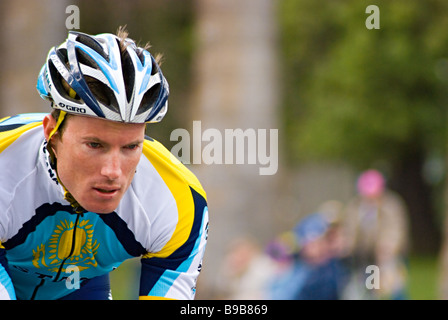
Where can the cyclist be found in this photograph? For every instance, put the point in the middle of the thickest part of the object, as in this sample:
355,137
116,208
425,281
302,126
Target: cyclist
83,188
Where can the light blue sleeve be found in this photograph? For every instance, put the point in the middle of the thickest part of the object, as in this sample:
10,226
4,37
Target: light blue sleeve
6,287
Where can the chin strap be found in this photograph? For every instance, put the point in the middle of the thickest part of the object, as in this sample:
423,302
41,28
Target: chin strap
61,118
67,195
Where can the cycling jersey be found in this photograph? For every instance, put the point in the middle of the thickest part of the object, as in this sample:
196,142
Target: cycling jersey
162,218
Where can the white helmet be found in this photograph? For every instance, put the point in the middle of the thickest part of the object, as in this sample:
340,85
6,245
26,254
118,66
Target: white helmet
132,86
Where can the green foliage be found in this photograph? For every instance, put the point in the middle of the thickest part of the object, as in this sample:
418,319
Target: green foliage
364,95
423,279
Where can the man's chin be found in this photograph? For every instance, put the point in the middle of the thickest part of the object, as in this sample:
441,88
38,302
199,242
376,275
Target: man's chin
100,209
99,202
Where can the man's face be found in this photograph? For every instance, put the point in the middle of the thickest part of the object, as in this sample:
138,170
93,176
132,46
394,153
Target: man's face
96,159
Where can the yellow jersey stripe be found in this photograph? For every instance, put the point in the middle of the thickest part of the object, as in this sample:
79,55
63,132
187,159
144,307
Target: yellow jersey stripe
5,118
178,179
155,150
8,137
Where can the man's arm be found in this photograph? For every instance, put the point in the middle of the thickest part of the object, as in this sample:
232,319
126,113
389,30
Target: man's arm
175,276
6,287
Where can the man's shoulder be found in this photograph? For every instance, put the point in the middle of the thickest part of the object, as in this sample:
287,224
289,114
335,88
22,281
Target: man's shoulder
11,128
20,140
172,171
13,122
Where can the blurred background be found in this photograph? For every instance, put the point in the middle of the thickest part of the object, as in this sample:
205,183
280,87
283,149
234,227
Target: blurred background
343,97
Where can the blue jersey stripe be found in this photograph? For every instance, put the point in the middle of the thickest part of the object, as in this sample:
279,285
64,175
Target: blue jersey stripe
44,211
124,235
5,280
158,273
14,122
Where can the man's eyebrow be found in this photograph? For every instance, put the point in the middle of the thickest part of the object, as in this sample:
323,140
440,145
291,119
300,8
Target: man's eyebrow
98,140
136,142
93,139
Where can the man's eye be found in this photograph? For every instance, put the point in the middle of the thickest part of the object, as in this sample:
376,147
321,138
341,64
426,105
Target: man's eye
132,146
94,145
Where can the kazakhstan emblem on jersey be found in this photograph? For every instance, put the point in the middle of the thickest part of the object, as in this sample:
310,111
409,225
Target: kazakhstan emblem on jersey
61,249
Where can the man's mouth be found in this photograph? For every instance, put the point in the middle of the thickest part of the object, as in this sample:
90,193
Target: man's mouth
107,190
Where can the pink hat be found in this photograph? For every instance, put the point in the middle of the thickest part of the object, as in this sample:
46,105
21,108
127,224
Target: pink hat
371,183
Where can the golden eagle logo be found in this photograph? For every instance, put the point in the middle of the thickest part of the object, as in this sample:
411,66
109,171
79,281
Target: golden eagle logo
61,249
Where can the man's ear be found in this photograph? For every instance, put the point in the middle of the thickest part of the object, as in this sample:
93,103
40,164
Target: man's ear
49,123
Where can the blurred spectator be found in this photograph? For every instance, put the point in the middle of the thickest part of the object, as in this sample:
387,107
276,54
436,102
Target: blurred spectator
333,212
315,273
376,229
281,251
245,271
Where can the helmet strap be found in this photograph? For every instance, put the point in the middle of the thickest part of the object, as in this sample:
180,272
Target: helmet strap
61,118
67,195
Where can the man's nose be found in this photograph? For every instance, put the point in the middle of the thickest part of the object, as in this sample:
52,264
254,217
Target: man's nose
111,167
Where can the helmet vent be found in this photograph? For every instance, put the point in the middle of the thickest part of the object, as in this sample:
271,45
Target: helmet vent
91,43
149,99
84,58
103,93
128,70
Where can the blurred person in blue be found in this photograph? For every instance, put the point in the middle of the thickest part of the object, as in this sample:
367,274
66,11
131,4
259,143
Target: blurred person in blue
333,212
315,272
376,231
